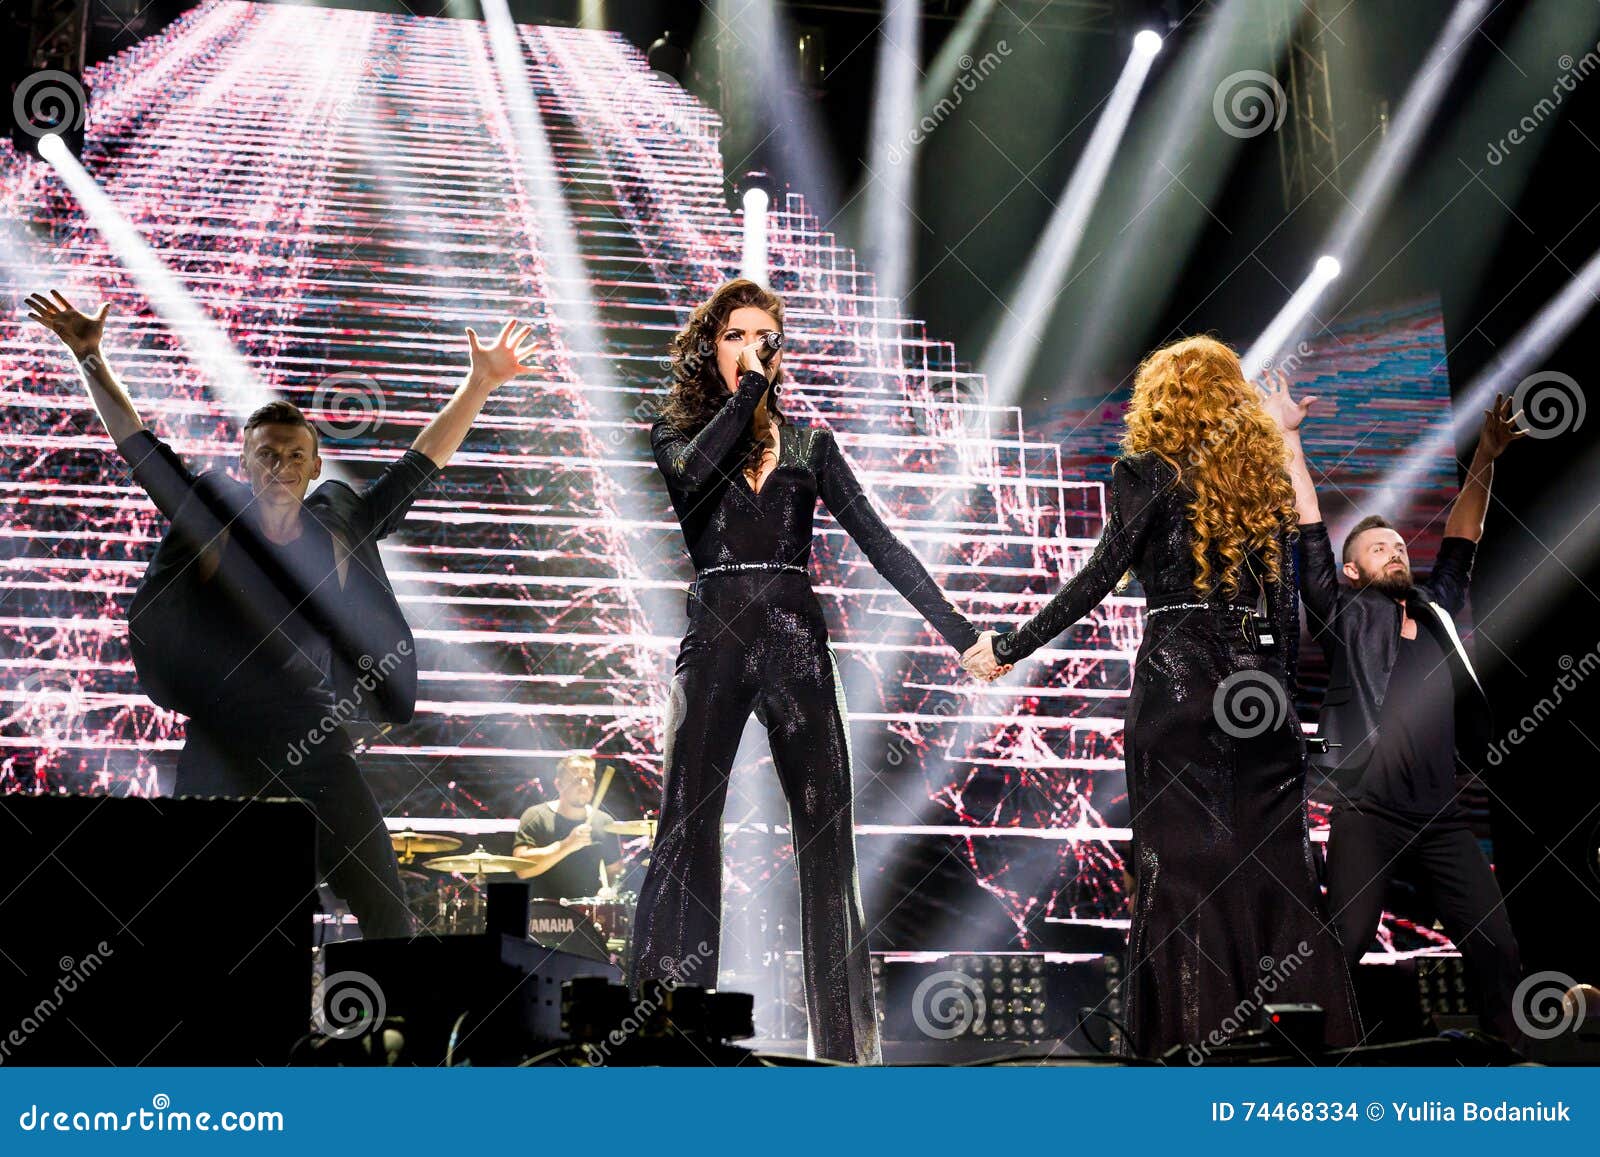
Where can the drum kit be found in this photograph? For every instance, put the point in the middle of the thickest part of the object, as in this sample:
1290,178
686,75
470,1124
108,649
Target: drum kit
452,901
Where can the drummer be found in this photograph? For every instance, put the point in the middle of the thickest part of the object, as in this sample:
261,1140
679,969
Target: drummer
565,840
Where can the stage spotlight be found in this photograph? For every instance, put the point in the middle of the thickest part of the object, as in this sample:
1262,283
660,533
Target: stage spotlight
1258,358
1406,132
667,56
1011,351
226,371
1147,43
755,190
886,245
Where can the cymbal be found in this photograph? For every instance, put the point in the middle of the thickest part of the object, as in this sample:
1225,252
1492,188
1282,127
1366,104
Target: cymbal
477,863
414,841
632,828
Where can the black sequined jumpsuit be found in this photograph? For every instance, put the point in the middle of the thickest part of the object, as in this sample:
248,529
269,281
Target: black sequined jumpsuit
757,641
1228,913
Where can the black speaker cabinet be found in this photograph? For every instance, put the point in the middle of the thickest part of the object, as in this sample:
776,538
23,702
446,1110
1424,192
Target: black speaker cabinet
155,931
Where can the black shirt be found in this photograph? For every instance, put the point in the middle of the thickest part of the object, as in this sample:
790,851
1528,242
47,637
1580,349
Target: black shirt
578,874
1412,768
277,675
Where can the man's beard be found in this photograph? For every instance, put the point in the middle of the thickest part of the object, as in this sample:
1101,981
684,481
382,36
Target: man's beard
1394,583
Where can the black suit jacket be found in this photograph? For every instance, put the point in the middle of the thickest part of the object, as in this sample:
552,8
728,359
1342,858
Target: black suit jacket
374,654
1359,632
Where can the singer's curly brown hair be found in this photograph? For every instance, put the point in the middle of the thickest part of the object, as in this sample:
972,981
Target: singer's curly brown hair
698,392
1193,408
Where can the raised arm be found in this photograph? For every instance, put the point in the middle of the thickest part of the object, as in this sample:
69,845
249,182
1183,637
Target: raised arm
1313,555
491,367
1130,512
81,334
841,492
695,463
1499,431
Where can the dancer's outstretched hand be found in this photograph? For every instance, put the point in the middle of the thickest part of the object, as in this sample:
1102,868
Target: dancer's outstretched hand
79,331
497,364
1275,399
979,661
1500,428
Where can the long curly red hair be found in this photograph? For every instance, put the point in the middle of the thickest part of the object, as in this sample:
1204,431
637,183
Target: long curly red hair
1193,408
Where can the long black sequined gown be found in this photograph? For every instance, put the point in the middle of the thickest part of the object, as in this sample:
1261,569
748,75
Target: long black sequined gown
1228,913
757,641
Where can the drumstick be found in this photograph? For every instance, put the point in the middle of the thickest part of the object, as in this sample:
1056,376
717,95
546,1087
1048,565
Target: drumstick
605,782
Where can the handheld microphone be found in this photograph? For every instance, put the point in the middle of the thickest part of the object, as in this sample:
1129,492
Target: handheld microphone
773,341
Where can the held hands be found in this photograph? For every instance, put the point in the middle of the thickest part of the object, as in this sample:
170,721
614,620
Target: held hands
1277,402
493,366
1499,428
79,331
979,660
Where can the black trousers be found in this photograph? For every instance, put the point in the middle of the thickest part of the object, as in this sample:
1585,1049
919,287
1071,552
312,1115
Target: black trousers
1366,849
354,854
757,642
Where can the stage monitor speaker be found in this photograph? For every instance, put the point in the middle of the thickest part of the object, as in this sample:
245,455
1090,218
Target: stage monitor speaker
155,931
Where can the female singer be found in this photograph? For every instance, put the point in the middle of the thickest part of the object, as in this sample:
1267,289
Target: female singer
1228,914
745,482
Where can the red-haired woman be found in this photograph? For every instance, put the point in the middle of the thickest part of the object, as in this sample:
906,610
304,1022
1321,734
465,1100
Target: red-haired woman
745,482
1228,913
